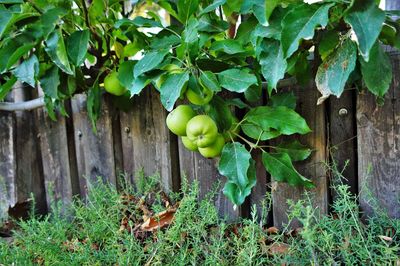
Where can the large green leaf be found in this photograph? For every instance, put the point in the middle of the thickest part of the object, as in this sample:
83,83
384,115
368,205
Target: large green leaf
334,71
237,195
377,72
50,82
28,70
208,24
236,80
7,87
366,19
11,53
281,118
213,6
287,99
7,22
209,80
171,89
149,62
300,23
186,8
280,166
273,64
256,132
258,8
228,46
55,48
77,45
190,35
5,18
295,150
234,164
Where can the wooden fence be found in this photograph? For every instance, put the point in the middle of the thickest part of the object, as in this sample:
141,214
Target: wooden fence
38,155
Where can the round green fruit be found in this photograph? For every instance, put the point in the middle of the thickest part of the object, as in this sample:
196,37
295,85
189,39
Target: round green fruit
178,119
202,131
188,144
214,149
196,99
112,84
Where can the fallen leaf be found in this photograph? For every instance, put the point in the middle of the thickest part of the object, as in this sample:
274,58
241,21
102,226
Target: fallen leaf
158,221
272,230
386,238
278,248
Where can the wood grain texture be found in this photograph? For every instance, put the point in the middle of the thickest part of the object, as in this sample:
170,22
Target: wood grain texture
147,143
313,167
94,151
378,131
29,175
342,135
55,158
8,163
197,168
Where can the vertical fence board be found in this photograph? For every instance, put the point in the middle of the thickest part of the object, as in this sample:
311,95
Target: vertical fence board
94,151
313,167
378,129
205,172
8,166
343,142
55,158
146,141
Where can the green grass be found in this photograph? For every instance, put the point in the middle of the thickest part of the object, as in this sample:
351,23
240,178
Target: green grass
90,234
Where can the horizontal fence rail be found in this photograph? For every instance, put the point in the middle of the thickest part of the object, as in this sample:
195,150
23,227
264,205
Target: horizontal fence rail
38,155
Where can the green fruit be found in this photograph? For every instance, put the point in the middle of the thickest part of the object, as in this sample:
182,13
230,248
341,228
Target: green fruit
233,131
188,144
112,84
178,119
202,131
196,99
214,149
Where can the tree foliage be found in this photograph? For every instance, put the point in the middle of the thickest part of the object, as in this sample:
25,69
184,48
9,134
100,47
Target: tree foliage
69,46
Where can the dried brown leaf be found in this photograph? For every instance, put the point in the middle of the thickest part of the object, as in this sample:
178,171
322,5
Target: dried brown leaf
158,221
272,230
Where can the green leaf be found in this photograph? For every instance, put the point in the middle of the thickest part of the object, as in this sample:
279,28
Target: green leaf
77,46
55,48
190,35
209,80
7,22
11,53
273,64
93,104
5,18
295,150
233,192
253,93
237,103
220,113
333,73
287,99
186,8
207,24
281,118
171,89
300,23
228,46
28,70
254,131
96,11
212,6
50,82
138,22
377,72
236,80
270,5
281,169
366,19
149,62
258,8
234,164
7,87
328,43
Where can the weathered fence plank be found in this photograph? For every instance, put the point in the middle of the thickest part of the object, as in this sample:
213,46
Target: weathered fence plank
313,167
8,163
378,132
146,141
29,175
94,151
342,136
195,167
55,157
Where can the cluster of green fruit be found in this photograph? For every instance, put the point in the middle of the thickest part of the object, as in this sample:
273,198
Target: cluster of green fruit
198,132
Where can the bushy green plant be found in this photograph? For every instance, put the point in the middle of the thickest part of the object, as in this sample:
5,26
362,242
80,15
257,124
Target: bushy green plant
89,233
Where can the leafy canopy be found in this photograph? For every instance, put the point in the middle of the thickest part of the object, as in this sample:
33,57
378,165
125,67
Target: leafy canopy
68,47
